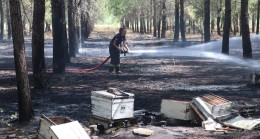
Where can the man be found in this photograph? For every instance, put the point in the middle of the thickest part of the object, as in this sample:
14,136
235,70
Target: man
115,50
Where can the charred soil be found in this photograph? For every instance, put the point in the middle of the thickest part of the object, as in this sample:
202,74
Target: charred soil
150,78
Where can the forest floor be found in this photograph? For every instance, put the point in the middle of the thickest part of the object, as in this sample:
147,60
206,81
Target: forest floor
150,77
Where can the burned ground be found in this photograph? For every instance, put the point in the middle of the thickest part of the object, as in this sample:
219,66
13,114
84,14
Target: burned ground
149,78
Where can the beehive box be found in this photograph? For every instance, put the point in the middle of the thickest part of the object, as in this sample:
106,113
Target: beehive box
110,106
212,106
59,127
177,110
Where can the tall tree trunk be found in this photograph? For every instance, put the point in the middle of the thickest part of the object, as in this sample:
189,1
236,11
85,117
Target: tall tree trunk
182,23
23,87
135,20
227,24
8,21
2,20
39,67
9,28
236,27
206,20
154,19
257,20
72,33
83,28
164,19
247,49
177,22
87,25
159,6
64,33
253,22
189,26
58,37
193,27
212,27
133,26
77,21
141,23
127,23
144,25
47,28
137,24
150,17
219,16
122,22
159,28
147,23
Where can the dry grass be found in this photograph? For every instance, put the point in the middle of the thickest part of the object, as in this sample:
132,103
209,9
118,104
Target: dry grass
106,28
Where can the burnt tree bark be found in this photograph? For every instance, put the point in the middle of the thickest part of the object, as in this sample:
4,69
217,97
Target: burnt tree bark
83,27
235,19
164,19
219,16
206,20
182,22
39,67
247,49
257,18
227,24
177,22
154,19
159,27
58,37
23,88
72,33
77,22
150,17
159,6
142,22
64,33
8,21
2,20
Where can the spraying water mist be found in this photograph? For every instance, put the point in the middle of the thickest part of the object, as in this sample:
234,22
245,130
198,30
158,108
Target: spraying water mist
207,50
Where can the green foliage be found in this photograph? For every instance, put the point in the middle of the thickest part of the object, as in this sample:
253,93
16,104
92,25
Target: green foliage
48,11
122,8
107,17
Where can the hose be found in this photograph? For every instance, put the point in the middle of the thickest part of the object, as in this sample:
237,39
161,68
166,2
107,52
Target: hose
87,70
67,70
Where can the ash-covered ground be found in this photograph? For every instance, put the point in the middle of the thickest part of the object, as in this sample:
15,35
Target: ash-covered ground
155,69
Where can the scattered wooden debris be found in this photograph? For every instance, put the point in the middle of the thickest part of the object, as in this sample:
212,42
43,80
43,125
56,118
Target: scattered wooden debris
142,132
60,128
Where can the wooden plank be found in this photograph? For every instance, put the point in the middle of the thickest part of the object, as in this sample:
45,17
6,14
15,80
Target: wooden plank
69,131
201,115
143,132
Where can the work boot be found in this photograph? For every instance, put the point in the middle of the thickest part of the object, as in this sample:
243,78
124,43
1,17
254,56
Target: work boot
111,69
118,71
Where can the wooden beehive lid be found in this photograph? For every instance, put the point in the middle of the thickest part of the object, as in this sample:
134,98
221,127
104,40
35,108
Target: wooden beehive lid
213,99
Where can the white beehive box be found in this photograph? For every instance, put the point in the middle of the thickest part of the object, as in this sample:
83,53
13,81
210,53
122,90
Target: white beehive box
177,110
61,128
110,106
218,106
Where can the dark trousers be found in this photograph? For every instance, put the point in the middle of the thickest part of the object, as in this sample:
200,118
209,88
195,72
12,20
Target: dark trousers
115,58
